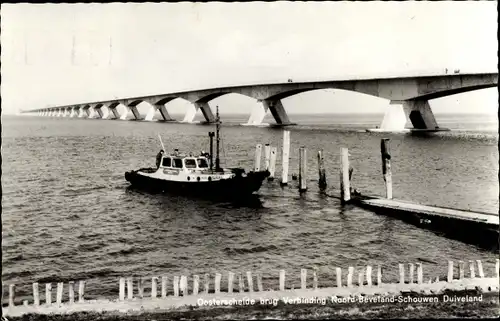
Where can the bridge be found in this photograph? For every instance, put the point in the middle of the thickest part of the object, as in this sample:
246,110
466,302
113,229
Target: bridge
409,99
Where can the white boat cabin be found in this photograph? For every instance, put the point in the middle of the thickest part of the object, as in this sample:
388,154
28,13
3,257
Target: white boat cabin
183,168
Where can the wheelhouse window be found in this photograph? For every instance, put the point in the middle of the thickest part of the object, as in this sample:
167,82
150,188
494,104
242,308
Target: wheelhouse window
190,162
167,162
202,163
177,163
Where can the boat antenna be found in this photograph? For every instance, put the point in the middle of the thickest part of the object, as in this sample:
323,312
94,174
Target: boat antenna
161,142
217,139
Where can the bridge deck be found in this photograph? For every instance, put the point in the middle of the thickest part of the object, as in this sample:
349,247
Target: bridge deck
487,218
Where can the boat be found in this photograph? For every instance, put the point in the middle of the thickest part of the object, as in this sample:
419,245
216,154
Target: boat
200,176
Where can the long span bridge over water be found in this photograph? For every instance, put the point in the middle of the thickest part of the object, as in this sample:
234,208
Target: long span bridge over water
409,99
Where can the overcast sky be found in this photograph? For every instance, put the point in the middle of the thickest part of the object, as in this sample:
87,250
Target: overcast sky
55,54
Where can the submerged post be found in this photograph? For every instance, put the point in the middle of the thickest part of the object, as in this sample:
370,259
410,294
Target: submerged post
386,166
272,164
321,171
11,295
286,157
345,189
258,156
302,169
36,294
267,156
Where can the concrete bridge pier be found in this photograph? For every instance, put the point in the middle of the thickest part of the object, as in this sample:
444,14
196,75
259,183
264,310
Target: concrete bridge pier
206,110
81,112
260,111
131,110
66,112
114,110
59,112
418,112
106,112
190,114
99,111
193,108
278,112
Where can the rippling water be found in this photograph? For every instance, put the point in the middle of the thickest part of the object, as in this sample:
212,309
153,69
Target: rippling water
68,214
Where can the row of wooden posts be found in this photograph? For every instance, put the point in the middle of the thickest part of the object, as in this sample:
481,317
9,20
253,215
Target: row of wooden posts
180,284
270,154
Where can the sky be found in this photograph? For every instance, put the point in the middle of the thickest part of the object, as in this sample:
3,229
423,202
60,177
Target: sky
61,54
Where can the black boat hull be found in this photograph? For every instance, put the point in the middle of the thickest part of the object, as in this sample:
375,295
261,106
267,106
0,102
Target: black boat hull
235,188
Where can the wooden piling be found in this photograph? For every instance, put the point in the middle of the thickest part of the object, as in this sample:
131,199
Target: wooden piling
321,171
164,281
218,277
258,156
121,294
154,287
25,303
176,285
184,285
206,283
196,284
401,273
338,272
259,282
241,283
386,166
302,169
140,286
480,268
450,271
437,279
59,293
412,272
350,273
81,291
315,278
36,294
286,157
267,156
461,270
282,280
48,293
230,282
272,164
11,295
250,281
130,288
471,269
420,273
345,189
303,279
360,278
369,275
379,275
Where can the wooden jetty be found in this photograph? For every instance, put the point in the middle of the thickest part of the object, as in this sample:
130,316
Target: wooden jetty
479,227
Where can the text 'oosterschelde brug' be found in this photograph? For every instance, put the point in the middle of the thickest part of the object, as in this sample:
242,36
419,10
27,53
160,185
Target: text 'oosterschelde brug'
338,300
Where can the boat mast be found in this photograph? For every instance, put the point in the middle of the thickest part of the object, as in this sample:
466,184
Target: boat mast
211,136
217,128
